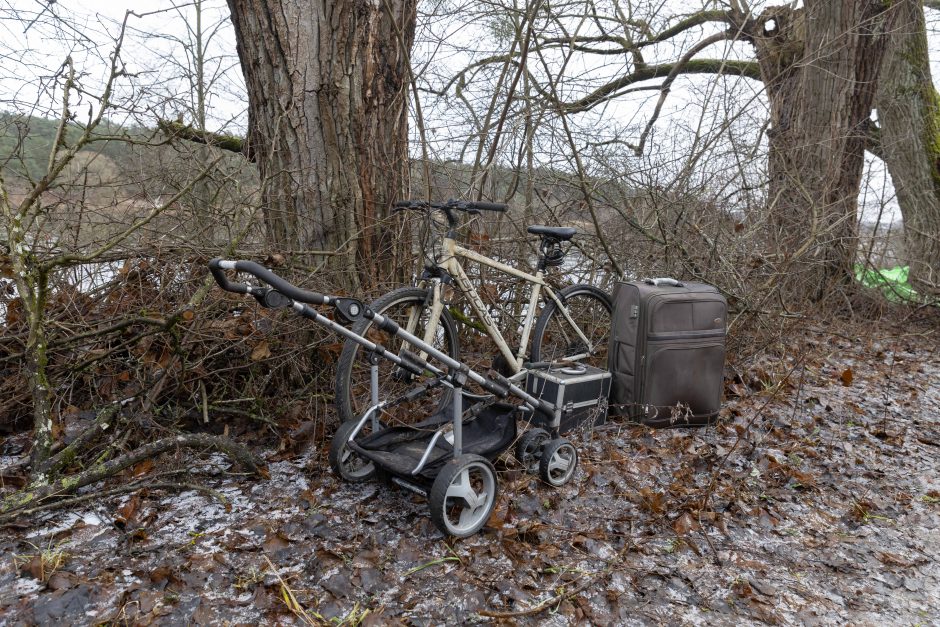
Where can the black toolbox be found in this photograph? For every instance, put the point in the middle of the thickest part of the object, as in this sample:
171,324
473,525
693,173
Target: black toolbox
667,352
578,392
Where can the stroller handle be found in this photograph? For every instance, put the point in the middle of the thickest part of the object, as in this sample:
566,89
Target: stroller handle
218,267
351,309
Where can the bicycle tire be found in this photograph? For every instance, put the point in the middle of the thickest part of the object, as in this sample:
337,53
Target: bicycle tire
577,298
352,369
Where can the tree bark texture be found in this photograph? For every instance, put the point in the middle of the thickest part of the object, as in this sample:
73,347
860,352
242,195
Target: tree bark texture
328,112
909,116
820,67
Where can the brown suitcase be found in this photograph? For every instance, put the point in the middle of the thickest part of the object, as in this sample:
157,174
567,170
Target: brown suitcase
667,352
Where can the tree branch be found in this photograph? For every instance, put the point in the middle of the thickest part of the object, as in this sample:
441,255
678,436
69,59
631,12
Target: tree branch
103,420
676,70
696,19
573,43
873,135
230,143
747,69
461,76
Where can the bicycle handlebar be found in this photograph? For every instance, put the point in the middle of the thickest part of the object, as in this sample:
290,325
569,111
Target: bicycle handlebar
448,208
218,267
469,206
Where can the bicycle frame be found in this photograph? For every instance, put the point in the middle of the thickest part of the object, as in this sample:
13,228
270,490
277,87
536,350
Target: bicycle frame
452,266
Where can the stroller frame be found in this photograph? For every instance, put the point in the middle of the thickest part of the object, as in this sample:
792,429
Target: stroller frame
463,491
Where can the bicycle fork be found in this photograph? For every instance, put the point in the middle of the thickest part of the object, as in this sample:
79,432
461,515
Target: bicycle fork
414,316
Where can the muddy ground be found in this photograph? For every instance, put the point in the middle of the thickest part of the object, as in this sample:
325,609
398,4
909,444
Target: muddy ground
814,500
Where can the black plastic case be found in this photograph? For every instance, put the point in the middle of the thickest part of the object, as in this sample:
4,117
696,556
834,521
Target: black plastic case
577,392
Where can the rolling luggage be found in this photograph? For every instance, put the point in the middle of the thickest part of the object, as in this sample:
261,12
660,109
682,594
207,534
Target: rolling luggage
667,352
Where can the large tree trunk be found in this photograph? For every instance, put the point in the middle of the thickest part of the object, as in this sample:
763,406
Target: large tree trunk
909,115
328,111
820,75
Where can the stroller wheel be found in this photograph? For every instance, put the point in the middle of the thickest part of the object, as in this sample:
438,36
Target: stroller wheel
558,463
463,495
344,462
529,448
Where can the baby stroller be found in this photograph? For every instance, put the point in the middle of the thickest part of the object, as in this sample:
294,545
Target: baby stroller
447,457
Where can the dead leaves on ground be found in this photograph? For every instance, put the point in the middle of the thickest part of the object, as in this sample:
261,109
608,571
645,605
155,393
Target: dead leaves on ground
261,351
846,377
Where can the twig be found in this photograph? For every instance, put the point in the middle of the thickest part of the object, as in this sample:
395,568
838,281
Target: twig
205,402
169,485
554,600
8,519
437,562
559,598
288,596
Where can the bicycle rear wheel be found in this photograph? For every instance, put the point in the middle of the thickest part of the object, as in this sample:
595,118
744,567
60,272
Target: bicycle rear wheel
555,338
352,371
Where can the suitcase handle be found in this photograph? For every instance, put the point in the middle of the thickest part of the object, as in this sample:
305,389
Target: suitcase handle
663,281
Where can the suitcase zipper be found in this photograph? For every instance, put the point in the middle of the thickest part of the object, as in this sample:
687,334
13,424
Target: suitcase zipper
640,353
685,335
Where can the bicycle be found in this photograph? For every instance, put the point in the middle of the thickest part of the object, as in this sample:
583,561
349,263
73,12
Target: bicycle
573,324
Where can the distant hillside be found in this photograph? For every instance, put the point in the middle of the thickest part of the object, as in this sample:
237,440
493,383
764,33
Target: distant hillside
26,141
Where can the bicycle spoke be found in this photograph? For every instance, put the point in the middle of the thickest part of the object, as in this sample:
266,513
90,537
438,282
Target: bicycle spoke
560,340
353,372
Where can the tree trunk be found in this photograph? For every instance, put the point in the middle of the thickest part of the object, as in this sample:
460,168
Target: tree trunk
909,115
32,287
328,114
36,361
820,75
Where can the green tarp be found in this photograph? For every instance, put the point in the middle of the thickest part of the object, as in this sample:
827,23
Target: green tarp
891,281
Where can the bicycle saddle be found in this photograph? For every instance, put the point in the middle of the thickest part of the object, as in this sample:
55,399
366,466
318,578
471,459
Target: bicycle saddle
562,233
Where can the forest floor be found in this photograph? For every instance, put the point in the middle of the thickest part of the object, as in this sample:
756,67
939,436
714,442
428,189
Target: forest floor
814,500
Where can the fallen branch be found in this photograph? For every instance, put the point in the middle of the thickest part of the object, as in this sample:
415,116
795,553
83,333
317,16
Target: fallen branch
36,495
61,460
7,519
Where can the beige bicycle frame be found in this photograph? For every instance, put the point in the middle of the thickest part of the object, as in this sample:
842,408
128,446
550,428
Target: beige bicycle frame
452,265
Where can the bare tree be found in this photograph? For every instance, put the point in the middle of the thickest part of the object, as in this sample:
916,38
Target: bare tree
82,232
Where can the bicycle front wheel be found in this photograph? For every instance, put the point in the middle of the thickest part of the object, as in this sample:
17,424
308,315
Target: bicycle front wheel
353,391
555,337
